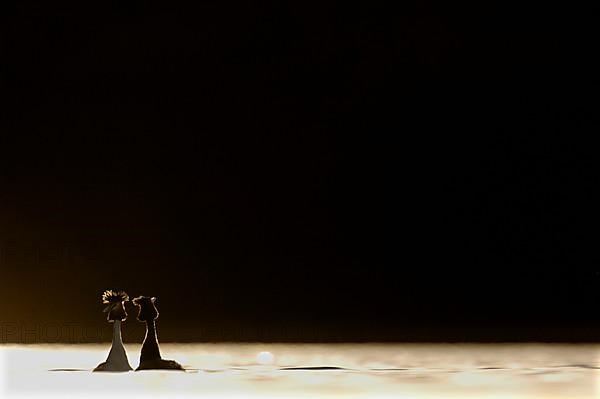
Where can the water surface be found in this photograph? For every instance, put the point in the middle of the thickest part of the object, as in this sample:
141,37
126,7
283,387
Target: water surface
312,370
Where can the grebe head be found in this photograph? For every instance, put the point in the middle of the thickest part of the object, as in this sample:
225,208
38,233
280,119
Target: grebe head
116,305
148,311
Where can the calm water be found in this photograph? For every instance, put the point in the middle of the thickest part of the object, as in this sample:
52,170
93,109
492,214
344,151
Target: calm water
353,371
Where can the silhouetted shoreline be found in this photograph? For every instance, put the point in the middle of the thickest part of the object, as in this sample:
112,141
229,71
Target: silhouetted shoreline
385,334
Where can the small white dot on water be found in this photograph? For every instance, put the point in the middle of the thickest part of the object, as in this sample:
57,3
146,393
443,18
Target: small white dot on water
265,358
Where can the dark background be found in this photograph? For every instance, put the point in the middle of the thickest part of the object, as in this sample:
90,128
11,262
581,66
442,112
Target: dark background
292,171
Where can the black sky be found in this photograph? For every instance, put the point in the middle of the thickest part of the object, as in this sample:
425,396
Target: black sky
298,171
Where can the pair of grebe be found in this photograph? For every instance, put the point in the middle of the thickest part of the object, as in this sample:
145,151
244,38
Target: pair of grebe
150,358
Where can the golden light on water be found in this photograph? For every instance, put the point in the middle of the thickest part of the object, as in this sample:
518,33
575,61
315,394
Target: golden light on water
324,371
265,358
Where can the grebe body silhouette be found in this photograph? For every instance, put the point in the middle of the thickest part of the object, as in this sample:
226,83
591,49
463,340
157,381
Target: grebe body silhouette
150,358
117,357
